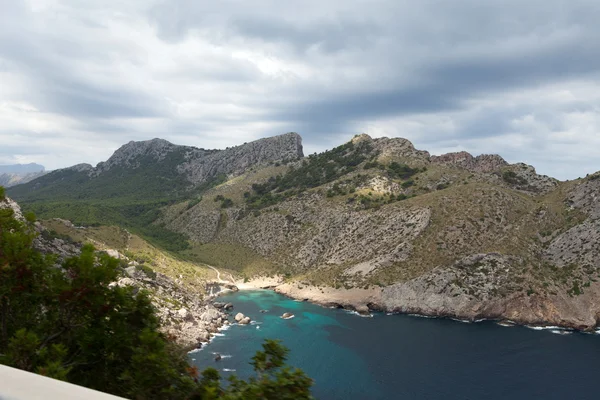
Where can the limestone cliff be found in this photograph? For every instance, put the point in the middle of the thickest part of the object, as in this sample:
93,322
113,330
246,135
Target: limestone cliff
451,235
371,223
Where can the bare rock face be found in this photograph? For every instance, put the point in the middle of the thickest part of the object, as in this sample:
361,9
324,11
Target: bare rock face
482,286
400,148
580,245
485,163
182,164
129,154
313,233
192,323
9,203
586,196
80,168
524,177
200,167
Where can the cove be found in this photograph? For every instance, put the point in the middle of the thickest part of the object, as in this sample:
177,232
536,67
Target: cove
407,357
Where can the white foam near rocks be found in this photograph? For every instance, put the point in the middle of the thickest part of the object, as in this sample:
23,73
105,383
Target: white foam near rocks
353,312
561,332
421,316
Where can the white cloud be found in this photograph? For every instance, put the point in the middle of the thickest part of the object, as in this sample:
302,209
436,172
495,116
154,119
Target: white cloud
80,78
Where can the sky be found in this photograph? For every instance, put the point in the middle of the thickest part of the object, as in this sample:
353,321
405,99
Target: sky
79,78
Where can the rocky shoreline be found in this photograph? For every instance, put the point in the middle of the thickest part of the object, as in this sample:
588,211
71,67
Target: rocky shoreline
533,311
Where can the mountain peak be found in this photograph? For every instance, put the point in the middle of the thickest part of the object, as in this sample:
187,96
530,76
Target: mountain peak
485,163
21,168
126,154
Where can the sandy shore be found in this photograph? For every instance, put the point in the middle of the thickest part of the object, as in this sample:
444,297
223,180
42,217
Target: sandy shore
361,300
261,282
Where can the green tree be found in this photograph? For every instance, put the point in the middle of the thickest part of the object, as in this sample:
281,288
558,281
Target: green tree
274,379
71,322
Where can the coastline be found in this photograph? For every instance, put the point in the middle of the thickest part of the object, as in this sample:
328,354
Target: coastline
512,311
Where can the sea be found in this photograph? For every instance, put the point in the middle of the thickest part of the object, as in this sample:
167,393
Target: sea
408,357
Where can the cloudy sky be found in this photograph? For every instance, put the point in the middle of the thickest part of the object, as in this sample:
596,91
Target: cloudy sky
78,78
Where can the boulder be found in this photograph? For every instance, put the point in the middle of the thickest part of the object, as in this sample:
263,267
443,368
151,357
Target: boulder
130,271
184,314
239,316
113,253
217,357
287,315
203,336
228,306
245,321
209,315
264,311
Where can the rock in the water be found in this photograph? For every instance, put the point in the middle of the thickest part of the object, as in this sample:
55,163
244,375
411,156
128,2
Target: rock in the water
264,311
287,315
239,316
217,357
228,306
245,321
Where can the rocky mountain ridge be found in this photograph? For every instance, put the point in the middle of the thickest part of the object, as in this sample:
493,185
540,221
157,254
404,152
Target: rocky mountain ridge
472,237
200,165
185,315
377,223
11,175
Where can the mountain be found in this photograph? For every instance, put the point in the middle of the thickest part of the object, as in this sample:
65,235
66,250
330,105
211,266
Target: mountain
11,175
141,177
370,224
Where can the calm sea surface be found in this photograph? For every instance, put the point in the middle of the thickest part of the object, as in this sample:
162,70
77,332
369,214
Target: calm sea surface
405,357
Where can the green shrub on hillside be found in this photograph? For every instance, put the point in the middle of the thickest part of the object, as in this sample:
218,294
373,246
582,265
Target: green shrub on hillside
317,170
71,323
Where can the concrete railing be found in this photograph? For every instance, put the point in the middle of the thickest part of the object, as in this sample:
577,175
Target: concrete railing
20,385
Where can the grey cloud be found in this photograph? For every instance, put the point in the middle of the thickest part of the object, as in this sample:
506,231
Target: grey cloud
336,67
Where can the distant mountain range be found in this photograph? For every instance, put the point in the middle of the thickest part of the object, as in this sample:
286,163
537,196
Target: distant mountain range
370,224
11,175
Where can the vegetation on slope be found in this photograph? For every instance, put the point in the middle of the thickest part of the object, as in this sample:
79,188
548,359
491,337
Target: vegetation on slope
71,323
317,170
126,196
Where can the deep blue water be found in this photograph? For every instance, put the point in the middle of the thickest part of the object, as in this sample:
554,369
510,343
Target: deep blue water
406,357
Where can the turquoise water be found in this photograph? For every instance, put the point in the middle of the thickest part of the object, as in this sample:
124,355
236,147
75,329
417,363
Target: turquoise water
404,357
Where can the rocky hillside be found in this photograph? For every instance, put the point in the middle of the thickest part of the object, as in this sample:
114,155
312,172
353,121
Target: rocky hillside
177,288
452,235
376,223
141,177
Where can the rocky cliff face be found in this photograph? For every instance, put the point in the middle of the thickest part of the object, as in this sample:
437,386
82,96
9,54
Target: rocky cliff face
377,223
200,165
185,315
464,242
485,163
